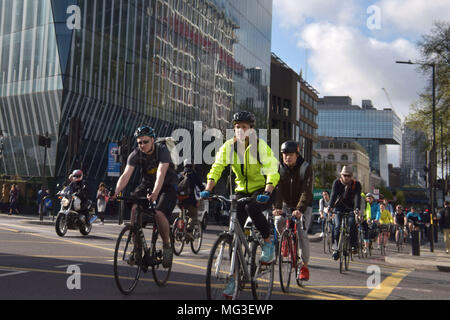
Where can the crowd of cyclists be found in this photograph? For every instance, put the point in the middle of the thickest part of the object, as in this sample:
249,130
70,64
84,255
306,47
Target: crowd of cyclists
266,184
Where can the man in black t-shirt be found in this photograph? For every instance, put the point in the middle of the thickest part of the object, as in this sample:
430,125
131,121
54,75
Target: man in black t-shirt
158,182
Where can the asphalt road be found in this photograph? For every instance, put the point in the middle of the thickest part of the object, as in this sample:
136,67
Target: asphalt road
34,264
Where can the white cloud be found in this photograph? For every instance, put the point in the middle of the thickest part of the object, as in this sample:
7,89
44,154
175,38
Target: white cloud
294,13
414,16
345,62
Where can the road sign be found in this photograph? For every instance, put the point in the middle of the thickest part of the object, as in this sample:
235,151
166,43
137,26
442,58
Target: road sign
113,166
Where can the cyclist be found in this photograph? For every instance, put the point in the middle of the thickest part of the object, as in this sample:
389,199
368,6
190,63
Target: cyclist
255,178
191,203
413,218
384,218
158,175
370,214
295,191
323,209
345,197
400,222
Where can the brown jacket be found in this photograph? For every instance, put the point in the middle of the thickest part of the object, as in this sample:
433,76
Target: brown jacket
4,196
292,190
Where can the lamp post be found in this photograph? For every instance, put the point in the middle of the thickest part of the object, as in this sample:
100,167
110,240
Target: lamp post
433,166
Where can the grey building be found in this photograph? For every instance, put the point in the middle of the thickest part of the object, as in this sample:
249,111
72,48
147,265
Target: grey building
413,157
373,129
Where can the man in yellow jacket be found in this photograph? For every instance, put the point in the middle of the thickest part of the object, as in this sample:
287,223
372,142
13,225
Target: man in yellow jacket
256,171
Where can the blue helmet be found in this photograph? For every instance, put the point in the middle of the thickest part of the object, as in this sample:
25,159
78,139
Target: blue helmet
145,131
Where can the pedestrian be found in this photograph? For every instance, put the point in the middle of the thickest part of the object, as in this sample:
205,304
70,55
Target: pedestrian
13,199
4,199
102,199
445,225
41,194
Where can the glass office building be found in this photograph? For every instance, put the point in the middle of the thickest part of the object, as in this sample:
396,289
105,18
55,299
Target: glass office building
372,128
90,71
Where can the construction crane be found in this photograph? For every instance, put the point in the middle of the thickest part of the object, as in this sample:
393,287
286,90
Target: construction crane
390,101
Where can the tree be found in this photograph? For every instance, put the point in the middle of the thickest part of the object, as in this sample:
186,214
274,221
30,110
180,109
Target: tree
434,49
325,174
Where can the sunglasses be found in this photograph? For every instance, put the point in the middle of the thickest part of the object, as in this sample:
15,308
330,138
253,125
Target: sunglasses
143,142
346,175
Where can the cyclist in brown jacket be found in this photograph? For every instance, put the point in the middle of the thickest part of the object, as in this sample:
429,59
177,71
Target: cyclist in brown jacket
295,192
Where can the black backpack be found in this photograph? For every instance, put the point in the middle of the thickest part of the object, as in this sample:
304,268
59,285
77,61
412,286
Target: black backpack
184,187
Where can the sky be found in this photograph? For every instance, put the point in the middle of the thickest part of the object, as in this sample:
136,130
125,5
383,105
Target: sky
349,48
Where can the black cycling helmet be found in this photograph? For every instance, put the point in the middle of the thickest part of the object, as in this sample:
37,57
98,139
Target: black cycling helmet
145,131
245,117
290,147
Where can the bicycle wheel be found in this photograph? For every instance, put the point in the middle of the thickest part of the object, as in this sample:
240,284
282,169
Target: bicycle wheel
285,261
341,251
178,235
160,274
262,275
197,232
347,252
126,269
325,238
219,268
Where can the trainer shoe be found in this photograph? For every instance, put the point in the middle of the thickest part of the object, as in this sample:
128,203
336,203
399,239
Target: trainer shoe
229,290
336,255
267,253
304,274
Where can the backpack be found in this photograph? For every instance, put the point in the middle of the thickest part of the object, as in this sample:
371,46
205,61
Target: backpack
184,187
302,170
171,144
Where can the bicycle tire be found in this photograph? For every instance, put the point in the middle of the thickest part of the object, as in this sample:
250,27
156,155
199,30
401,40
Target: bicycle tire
178,237
217,280
197,232
341,251
264,270
347,252
285,261
160,274
121,285
325,239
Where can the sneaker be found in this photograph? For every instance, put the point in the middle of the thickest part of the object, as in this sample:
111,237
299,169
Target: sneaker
229,290
267,253
304,274
354,250
447,251
336,255
321,234
167,256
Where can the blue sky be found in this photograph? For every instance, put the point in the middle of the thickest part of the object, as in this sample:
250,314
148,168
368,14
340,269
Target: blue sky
352,51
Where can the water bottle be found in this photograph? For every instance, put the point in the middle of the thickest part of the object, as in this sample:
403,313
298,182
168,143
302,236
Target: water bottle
93,219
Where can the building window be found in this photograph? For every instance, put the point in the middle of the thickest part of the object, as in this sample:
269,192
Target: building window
344,145
344,157
331,157
331,145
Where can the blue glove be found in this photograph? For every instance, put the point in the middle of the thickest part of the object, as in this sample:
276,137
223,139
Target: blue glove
205,194
262,198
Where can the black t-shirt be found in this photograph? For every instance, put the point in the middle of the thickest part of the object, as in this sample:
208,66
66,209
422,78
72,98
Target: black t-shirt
149,165
350,196
400,218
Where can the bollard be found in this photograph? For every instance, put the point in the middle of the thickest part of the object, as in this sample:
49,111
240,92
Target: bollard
415,243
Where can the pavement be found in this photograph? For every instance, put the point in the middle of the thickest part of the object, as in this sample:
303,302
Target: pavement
438,259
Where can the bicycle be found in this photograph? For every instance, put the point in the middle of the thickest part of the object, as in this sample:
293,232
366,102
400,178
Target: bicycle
384,228
235,254
400,238
345,252
327,236
288,258
132,254
179,231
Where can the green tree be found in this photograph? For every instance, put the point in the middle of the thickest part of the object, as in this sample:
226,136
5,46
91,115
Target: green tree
325,174
434,49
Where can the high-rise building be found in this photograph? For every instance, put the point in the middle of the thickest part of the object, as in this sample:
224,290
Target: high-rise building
373,129
293,103
90,71
414,157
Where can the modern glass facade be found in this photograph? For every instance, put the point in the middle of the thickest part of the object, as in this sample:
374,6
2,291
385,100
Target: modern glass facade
372,128
114,65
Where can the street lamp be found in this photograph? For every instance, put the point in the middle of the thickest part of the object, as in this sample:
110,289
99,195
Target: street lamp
433,148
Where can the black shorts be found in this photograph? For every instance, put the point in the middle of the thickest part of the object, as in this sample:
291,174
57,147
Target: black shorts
167,199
